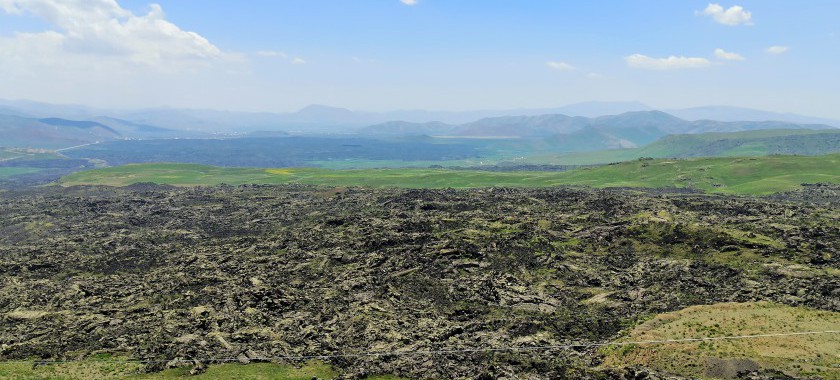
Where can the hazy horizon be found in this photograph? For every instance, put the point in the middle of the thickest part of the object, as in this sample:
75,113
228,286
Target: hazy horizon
421,55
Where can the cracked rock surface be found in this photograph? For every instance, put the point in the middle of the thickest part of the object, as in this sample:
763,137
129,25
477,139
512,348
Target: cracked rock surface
257,272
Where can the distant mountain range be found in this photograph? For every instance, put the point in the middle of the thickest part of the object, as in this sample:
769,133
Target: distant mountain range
51,132
54,133
577,127
577,133
319,118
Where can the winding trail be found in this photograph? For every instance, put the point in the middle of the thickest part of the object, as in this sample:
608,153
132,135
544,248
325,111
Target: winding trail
76,146
10,158
56,151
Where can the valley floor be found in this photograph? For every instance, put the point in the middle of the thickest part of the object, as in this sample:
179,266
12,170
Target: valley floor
738,175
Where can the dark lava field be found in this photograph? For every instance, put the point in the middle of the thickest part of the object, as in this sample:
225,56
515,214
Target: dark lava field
255,272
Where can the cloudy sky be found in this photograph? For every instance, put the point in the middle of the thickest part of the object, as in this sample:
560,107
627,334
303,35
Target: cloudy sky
432,54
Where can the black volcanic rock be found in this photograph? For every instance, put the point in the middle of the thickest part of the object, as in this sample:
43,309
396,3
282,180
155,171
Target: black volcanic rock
280,272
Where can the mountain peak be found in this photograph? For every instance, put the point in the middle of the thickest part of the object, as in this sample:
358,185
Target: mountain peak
320,109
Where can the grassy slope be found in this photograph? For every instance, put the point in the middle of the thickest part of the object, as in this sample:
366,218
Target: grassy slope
27,154
102,369
802,354
724,175
6,172
749,143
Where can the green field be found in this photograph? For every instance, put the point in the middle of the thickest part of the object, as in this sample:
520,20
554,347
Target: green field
106,368
761,175
22,154
6,172
815,354
731,144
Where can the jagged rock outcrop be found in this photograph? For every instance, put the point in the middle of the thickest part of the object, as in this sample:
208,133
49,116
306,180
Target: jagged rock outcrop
276,273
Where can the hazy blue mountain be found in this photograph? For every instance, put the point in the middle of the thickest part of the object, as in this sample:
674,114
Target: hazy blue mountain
588,139
320,114
705,126
52,132
577,134
404,128
523,126
748,143
666,123
29,108
549,125
313,118
130,129
321,118
725,113
586,109
11,111
595,109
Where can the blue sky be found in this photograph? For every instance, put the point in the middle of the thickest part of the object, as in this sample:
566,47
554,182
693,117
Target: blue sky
434,54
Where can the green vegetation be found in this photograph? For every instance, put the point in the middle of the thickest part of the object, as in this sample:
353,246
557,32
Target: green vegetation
26,154
755,175
259,371
717,175
102,368
750,143
733,144
797,354
6,172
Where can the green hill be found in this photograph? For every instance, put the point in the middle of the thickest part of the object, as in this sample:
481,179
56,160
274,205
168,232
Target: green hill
51,133
751,143
725,358
753,175
731,144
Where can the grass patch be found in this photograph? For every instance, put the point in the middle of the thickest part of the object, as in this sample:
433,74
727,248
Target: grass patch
257,371
762,175
84,370
6,172
799,354
101,368
717,144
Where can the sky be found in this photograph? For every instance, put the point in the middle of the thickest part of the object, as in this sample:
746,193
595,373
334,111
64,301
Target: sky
382,55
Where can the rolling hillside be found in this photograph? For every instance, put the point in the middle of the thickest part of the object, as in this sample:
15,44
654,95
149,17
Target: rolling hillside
563,133
52,132
751,143
725,358
736,144
753,175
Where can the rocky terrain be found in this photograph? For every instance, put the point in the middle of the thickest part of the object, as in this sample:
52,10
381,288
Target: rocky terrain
256,272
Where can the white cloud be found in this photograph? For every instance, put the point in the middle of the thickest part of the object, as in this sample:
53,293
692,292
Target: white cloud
735,15
560,66
777,49
104,31
409,2
640,61
272,53
729,56
360,60
283,57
